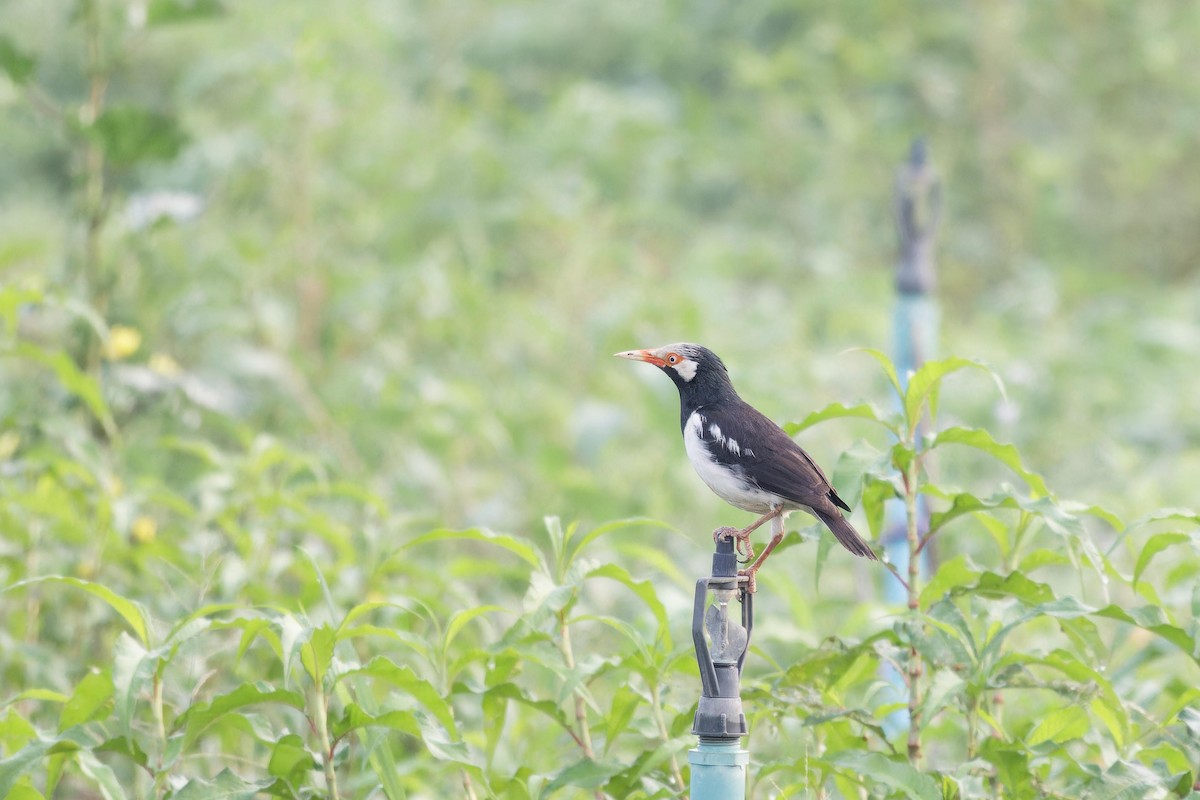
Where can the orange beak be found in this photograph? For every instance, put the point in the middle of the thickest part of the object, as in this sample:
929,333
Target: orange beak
642,355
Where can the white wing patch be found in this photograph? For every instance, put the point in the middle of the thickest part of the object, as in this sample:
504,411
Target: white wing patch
729,442
727,483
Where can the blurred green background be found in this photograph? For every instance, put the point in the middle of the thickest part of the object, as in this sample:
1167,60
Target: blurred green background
405,238
416,231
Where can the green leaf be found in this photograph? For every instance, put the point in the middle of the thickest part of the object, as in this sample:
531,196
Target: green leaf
293,636
1012,766
510,691
876,769
129,134
45,695
24,792
643,589
403,678
201,716
133,671
317,653
924,385
958,641
290,759
252,629
1108,705
12,300
1061,725
1112,719
1006,454
1015,585
226,786
73,380
21,763
15,731
518,547
958,572
354,717
1171,514
584,774
945,687
856,467
903,455
840,411
460,619
1155,620
613,527
101,774
168,12
1155,545
91,699
886,364
18,64
628,784
625,702
413,641
441,747
124,746
963,503
1125,780
382,759
1042,557
362,609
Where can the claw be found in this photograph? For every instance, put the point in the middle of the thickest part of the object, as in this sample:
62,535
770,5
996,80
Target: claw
725,532
751,584
741,541
746,548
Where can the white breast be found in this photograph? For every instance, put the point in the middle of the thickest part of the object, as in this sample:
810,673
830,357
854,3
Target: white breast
726,483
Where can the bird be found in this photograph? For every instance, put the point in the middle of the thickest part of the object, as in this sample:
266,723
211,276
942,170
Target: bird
745,458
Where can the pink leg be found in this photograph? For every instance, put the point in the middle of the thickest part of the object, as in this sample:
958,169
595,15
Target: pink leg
742,537
777,529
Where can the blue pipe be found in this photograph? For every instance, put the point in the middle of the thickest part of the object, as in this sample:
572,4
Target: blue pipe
719,770
918,211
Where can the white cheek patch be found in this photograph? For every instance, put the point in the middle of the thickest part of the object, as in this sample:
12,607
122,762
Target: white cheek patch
686,369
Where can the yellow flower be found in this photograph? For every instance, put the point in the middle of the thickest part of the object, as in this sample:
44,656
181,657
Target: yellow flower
144,530
123,342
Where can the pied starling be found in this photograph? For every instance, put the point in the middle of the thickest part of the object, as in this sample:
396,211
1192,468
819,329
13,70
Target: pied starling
745,458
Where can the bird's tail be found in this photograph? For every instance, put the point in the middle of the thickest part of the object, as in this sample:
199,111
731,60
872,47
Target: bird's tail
846,534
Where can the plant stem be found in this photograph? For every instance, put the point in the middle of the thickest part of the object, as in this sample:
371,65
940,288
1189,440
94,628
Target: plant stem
584,734
322,720
676,774
160,773
972,728
914,608
95,288
468,787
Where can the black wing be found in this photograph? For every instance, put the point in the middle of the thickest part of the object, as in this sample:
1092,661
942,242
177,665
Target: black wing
766,455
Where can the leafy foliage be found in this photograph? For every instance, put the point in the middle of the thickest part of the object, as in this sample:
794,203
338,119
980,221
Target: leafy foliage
302,319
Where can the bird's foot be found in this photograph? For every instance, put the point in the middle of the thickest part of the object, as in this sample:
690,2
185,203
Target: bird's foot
724,532
741,541
746,548
751,584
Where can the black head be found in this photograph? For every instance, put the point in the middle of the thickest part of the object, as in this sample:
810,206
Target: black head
698,373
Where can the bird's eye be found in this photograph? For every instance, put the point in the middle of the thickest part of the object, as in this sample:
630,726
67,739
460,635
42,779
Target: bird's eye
673,358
